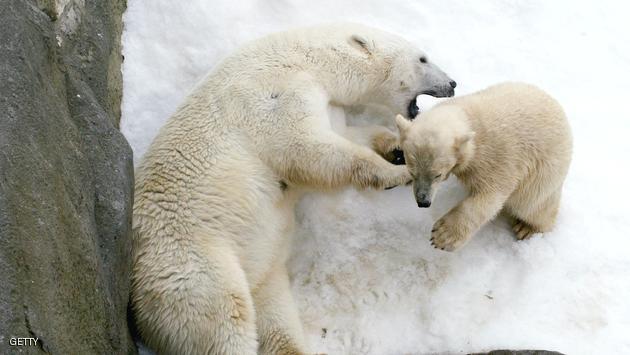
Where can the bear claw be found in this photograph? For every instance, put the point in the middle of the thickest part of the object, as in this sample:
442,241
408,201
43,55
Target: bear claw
523,230
445,237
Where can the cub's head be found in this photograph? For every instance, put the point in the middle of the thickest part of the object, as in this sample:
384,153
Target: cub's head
409,72
435,144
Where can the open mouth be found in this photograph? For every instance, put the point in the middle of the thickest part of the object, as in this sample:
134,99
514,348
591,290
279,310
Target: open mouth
413,109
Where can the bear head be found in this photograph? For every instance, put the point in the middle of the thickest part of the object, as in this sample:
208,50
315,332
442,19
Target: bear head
435,144
408,72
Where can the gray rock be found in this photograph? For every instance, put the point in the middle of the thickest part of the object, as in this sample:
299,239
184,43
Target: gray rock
66,178
519,352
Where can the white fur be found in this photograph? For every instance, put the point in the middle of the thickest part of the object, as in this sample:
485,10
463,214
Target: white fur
215,193
510,144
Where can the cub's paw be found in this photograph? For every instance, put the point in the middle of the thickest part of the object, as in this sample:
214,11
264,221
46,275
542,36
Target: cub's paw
446,236
522,230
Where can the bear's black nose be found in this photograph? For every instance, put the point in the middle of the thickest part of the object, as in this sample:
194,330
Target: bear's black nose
453,84
424,204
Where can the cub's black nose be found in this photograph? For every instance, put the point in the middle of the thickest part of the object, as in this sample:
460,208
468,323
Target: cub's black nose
424,204
453,84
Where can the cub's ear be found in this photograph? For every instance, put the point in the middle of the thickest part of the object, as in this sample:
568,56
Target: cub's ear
403,124
462,142
361,43
466,137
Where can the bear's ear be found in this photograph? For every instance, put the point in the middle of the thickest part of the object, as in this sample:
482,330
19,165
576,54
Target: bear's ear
462,142
361,44
403,124
466,137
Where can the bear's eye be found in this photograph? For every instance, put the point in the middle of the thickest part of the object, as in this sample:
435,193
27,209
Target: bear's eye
437,176
423,59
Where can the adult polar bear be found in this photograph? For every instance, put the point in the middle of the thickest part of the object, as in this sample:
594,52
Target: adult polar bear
216,190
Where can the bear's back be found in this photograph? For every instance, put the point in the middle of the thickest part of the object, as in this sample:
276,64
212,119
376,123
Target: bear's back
519,122
522,110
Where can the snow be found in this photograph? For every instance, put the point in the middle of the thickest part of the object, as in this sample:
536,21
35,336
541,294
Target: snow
363,268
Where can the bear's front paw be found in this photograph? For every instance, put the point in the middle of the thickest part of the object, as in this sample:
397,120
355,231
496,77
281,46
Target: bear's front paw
387,145
400,176
447,236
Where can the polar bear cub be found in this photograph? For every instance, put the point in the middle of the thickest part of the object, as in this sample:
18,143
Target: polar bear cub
509,144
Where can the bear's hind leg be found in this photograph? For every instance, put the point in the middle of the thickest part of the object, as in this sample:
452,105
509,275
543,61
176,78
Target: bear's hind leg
203,306
279,327
522,229
538,219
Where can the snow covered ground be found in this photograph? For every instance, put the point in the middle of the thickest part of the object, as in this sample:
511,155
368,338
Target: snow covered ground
364,274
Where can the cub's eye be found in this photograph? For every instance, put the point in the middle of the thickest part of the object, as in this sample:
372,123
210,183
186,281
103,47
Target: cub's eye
437,176
423,59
